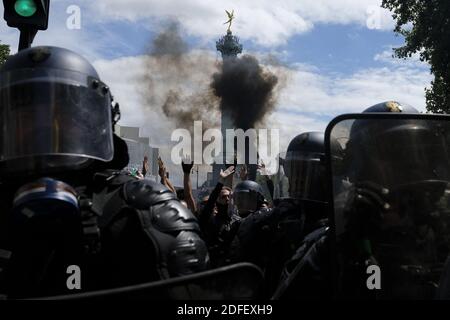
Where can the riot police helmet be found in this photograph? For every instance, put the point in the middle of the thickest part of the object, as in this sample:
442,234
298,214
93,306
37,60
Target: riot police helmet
304,166
56,113
248,197
395,152
392,106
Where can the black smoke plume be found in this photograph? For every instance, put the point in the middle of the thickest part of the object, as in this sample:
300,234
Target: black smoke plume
177,81
197,87
246,91
188,85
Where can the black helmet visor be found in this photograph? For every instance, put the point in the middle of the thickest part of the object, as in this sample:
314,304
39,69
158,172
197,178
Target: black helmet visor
306,175
50,112
246,201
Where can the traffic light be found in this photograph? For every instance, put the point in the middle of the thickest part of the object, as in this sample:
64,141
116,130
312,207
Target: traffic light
31,14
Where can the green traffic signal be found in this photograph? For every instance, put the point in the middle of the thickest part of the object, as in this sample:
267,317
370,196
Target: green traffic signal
25,8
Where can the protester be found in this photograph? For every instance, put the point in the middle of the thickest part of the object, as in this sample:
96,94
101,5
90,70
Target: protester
218,223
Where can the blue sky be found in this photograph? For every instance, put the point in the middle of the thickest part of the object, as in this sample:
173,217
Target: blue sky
335,54
340,48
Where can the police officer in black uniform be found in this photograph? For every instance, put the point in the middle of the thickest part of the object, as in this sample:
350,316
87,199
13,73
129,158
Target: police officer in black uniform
248,197
305,209
65,204
396,215
387,217
304,166
277,233
250,237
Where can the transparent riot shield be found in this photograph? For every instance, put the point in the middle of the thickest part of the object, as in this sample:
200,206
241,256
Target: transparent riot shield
391,205
243,281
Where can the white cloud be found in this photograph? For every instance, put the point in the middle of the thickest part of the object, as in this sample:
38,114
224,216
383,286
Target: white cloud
312,98
412,62
264,21
291,124
313,92
124,76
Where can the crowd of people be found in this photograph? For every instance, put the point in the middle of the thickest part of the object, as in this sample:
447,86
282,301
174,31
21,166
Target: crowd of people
239,224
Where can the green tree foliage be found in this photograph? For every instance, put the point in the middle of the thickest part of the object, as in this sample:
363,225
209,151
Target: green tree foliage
4,53
425,24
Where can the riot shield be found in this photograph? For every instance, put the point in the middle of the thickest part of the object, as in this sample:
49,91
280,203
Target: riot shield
243,281
390,214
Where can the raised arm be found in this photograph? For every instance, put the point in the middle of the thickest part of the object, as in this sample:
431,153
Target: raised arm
208,208
187,184
162,173
145,166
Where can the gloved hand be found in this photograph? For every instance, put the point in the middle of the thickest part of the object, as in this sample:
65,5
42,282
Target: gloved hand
187,167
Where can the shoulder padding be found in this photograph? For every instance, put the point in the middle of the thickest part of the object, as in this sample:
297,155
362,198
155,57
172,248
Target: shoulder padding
141,194
170,216
159,207
156,205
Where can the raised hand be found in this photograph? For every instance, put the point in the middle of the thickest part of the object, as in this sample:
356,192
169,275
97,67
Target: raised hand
187,165
243,173
225,175
145,166
161,168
